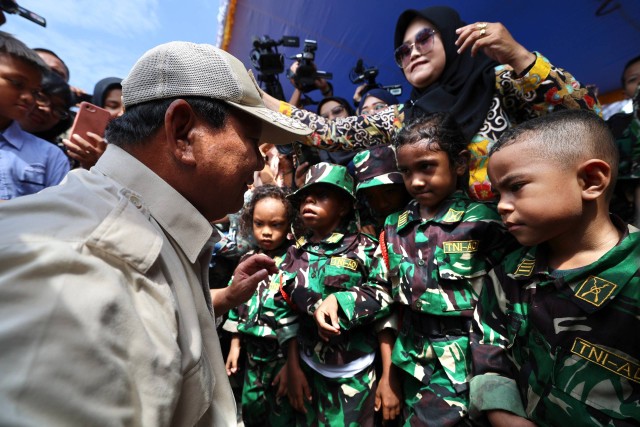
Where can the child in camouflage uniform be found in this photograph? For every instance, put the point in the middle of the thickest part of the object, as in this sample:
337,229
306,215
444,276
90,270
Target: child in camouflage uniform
555,334
331,381
433,256
379,184
268,216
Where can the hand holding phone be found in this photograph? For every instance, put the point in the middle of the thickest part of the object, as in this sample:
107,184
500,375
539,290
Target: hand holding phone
90,118
86,141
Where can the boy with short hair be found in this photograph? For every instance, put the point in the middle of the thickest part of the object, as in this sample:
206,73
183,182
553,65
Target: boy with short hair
27,163
555,329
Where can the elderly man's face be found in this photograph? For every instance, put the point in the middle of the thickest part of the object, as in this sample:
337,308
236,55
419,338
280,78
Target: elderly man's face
228,159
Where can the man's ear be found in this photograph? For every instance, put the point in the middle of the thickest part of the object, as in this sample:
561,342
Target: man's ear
594,176
462,162
179,121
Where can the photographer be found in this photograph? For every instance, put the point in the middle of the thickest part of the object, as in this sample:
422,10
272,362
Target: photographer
325,88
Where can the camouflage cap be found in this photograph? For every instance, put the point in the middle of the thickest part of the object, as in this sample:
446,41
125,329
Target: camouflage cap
376,166
328,173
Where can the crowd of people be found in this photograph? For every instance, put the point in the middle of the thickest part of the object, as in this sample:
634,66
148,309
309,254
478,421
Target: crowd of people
466,257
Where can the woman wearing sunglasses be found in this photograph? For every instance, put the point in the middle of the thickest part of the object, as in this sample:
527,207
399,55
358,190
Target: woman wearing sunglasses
477,72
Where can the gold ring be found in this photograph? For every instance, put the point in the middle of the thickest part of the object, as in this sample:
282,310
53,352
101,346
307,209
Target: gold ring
482,25
483,32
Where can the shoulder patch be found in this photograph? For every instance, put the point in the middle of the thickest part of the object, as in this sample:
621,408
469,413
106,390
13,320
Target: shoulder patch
344,262
460,246
525,268
301,241
403,218
595,290
453,216
607,359
334,238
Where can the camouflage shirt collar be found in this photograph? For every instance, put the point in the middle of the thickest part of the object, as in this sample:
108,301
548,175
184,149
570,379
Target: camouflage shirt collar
591,287
451,211
334,238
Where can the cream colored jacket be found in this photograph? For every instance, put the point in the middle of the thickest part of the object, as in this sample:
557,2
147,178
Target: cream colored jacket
105,315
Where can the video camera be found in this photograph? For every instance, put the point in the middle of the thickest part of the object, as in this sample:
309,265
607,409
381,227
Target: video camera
363,74
306,74
269,62
11,6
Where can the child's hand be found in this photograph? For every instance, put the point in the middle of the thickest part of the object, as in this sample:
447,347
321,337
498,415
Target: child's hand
499,418
388,396
86,152
281,381
234,355
298,387
327,318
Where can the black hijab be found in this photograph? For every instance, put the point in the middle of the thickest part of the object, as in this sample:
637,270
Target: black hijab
102,87
466,87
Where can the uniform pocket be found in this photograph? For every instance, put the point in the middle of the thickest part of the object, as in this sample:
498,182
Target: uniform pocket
460,266
341,274
453,354
460,279
31,178
592,382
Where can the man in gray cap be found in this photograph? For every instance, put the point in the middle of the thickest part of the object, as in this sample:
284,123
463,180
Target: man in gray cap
106,313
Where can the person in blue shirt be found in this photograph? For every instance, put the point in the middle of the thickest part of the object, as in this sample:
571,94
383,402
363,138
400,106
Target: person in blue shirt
28,164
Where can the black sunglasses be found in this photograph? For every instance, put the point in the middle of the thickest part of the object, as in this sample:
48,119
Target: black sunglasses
423,44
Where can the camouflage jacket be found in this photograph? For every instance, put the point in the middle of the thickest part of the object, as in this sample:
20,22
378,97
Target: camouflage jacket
255,317
435,272
311,272
563,350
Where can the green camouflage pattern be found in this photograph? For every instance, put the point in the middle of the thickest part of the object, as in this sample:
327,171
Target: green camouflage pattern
436,404
328,173
311,272
435,275
339,402
561,348
376,166
256,317
255,321
260,406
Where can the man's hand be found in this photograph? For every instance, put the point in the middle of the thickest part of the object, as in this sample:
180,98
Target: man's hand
326,316
246,277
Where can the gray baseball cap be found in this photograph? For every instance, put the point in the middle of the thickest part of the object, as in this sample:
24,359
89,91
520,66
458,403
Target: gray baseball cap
177,69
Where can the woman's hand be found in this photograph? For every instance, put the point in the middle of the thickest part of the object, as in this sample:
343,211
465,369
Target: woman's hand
86,152
496,42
